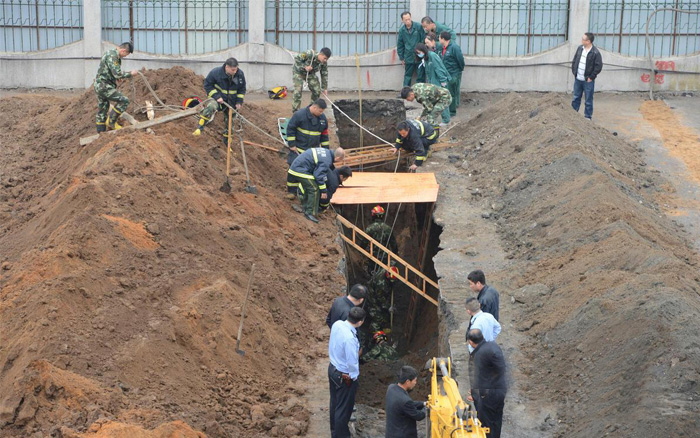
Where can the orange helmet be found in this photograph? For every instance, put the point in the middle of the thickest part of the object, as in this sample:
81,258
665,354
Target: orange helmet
191,102
379,337
378,211
392,273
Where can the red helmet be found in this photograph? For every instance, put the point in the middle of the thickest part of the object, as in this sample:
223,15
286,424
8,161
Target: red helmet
378,211
379,337
191,102
392,273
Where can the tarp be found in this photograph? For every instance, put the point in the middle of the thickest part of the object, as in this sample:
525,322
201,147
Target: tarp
381,187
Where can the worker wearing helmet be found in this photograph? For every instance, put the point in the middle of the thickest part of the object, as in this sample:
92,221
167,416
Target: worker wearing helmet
381,350
382,233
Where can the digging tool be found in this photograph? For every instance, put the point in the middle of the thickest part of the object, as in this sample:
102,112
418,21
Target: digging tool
245,304
226,186
249,187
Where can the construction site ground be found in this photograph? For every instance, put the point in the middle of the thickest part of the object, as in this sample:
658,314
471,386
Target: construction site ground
124,269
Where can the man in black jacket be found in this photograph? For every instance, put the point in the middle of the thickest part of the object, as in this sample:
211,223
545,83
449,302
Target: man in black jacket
487,377
226,85
336,178
487,295
415,136
586,66
307,129
342,305
401,411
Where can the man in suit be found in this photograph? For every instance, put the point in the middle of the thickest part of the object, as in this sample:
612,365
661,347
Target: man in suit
487,376
401,411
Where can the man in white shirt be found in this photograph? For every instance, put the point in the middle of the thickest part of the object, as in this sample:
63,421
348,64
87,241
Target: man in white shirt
585,66
490,328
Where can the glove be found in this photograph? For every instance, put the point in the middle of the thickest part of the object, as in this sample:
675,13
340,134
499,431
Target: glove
346,378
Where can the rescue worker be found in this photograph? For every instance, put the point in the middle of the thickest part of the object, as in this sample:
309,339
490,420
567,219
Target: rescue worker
109,72
226,85
453,59
415,136
381,349
306,65
433,98
336,178
410,34
309,172
431,26
435,73
379,303
381,232
308,128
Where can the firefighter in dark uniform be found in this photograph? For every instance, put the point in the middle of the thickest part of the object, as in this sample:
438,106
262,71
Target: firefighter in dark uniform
225,85
308,128
336,178
309,172
415,136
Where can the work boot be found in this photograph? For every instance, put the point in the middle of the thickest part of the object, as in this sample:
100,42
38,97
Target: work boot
112,120
200,127
101,127
311,217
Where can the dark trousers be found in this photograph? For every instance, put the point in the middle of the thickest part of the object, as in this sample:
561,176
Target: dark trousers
342,402
454,86
489,409
408,73
581,87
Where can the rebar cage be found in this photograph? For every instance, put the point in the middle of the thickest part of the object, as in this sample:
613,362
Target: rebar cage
33,25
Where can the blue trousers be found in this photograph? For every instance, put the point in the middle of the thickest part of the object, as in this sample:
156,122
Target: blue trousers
581,87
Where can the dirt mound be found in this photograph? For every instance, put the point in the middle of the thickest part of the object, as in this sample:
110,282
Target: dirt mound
606,286
124,270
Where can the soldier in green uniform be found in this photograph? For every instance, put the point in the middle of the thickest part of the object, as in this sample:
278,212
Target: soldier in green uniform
430,26
381,232
379,302
109,72
453,59
433,98
306,65
381,349
410,34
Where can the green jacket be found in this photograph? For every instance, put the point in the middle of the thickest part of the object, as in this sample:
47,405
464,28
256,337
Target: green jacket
453,59
435,71
307,58
406,44
440,28
110,69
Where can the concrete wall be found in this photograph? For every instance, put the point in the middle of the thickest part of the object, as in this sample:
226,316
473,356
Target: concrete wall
267,65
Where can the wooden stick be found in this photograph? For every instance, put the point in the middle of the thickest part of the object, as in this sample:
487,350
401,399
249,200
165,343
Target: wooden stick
250,143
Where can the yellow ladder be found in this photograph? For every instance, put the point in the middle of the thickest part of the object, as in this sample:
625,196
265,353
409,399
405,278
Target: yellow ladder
404,267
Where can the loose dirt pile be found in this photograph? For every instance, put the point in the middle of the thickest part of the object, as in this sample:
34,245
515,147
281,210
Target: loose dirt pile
124,270
606,286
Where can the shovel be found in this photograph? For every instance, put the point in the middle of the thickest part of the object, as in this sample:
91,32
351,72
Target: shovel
249,187
245,304
226,186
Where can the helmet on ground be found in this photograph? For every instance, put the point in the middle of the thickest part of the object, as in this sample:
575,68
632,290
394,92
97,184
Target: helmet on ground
392,273
191,102
379,337
277,92
378,212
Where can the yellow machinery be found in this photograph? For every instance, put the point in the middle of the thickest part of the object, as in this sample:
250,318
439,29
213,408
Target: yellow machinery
450,416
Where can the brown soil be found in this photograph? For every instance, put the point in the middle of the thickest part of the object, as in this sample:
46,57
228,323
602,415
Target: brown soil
124,270
603,283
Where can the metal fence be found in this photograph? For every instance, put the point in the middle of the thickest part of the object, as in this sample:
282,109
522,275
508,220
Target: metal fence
346,27
176,27
620,26
504,27
31,25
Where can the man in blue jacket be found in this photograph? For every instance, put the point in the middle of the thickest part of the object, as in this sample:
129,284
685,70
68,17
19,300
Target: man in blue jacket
402,412
225,85
309,172
410,34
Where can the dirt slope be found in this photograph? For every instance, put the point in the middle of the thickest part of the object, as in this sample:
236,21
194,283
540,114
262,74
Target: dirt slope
605,285
124,269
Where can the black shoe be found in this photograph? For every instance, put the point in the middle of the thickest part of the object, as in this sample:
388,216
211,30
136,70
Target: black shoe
311,217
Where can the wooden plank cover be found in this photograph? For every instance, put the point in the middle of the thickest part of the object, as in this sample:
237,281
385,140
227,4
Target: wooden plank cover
377,188
390,179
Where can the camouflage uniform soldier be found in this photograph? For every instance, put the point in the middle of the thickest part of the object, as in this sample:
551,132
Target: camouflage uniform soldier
433,98
379,300
109,72
381,350
381,232
306,65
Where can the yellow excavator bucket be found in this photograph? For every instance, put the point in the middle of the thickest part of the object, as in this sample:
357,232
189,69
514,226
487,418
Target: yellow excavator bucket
450,416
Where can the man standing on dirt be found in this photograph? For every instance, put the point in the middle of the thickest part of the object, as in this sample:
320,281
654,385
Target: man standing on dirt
487,295
417,137
586,66
306,65
109,72
226,86
483,321
342,306
487,377
410,34
308,128
308,172
453,59
401,411
344,371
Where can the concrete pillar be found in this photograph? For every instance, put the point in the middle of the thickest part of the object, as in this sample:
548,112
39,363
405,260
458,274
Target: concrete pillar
579,16
419,9
92,39
255,74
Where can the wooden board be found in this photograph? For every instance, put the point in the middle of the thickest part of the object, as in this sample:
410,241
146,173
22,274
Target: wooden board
390,179
380,195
